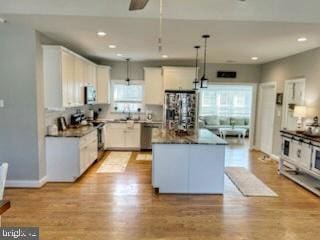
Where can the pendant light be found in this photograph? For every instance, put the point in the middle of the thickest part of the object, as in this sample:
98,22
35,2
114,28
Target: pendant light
128,79
196,79
204,79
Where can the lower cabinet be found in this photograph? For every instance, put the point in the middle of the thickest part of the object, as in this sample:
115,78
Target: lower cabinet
123,136
69,157
297,152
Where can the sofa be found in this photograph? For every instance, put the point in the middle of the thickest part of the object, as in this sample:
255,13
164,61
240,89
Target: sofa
213,123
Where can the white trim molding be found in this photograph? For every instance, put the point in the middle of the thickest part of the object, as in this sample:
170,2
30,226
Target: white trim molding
26,183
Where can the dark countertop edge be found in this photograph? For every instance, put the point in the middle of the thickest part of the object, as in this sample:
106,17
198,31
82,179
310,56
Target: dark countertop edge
293,133
191,143
188,140
72,136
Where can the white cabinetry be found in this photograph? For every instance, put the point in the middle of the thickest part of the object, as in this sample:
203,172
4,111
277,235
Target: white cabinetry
120,136
297,151
103,84
301,154
178,78
153,86
65,75
67,157
188,168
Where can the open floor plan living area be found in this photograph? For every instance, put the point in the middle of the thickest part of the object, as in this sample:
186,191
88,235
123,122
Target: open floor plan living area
159,120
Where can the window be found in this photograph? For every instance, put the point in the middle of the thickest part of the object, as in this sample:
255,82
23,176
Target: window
226,101
126,97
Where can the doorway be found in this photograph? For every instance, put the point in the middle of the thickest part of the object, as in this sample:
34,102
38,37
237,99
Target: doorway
266,111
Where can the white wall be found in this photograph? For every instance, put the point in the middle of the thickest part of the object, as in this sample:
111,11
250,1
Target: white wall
305,65
246,73
19,143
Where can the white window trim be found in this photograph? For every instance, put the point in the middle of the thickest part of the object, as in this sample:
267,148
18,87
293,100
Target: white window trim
132,82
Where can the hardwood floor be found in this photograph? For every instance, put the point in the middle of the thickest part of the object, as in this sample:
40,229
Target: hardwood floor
124,206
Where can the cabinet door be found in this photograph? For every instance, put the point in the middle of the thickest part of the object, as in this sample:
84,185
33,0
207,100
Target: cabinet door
68,68
187,76
83,159
92,75
297,152
116,136
92,152
306,156
153,86
178,78
133,137
171,79
286,148
103,84
78,81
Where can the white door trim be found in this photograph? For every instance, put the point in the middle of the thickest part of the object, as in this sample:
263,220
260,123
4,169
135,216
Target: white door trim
253,107
258,125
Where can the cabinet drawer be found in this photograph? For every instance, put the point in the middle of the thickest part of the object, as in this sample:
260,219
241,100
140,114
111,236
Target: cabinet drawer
85,140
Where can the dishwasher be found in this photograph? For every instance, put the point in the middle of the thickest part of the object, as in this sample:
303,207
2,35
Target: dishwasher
146,134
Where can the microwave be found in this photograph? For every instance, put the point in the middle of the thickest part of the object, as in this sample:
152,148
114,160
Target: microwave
90,95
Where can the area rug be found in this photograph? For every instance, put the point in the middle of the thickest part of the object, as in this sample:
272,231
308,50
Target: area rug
116,162
247,183
144,157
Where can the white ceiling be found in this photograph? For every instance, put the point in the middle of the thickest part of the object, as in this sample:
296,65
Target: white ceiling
240,30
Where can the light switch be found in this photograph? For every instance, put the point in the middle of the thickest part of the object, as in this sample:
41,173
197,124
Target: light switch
1,103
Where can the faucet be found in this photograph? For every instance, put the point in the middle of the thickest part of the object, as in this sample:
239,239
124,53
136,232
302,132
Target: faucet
129,116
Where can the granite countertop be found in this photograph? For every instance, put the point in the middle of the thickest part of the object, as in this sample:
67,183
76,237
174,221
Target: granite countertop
124,121
75,132
201,136
301,135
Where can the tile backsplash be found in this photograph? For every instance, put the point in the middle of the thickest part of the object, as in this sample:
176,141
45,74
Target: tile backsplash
106,112
51,116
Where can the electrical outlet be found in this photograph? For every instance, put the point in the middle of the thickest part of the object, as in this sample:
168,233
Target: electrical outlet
1,103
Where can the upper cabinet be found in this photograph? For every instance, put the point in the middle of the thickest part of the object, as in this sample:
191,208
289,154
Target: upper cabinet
103,84
153,86
65,76
178,78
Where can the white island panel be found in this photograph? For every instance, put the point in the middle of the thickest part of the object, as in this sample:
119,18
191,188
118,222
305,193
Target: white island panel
206,169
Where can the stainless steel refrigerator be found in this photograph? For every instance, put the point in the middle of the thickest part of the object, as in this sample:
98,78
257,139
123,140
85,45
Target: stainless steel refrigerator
181,110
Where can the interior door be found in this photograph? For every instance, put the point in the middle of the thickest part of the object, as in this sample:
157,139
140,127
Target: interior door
266,117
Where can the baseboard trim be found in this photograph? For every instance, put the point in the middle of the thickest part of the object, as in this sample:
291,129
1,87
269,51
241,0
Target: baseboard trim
26,183
275,157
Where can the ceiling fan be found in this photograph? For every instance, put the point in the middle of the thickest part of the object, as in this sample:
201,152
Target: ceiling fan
140,4
137,4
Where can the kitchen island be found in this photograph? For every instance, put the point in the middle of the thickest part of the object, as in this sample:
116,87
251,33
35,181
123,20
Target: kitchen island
192,164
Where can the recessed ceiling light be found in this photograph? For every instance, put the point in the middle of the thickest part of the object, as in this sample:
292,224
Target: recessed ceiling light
119,54
2,20
112,46
254,58
165,56
101,34
302,39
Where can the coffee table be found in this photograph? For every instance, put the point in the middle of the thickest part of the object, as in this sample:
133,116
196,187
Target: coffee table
241,132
